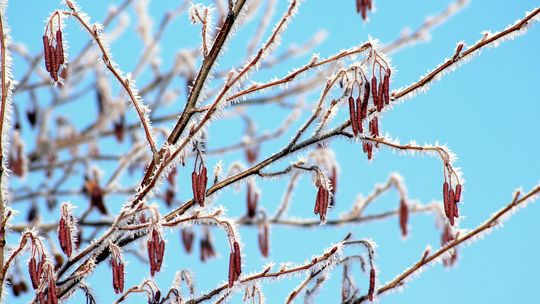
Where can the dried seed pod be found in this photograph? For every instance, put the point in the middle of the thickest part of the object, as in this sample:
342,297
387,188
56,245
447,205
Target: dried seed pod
403,216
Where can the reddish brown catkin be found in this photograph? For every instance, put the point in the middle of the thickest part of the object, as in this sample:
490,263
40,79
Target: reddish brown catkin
60,46
203,180
238,259
374,91
232,269
445,200
47,53
387,88
371,291
458,193
352,116
358,118
403,217
380,98
195,186
263,240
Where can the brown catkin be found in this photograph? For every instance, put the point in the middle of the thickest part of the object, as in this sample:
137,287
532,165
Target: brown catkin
371,291
232,269
60,46
359,115
380,98
47,53
352,116
458,193
374,91
446,200
367,90
195,186
386,88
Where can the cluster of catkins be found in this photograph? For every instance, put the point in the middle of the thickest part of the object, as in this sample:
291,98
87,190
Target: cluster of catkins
450,198
53,48
156,250
362,6
322,201
235,264
199,180
117,265
377,90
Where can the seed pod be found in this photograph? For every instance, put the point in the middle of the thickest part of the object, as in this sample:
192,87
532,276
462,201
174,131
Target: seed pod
352,116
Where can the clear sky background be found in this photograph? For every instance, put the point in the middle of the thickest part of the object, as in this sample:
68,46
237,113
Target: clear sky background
486,111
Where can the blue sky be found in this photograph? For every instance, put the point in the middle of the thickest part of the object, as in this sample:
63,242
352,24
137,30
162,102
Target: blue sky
486,112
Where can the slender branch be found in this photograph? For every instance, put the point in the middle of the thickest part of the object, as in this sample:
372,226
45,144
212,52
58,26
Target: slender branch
489,224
